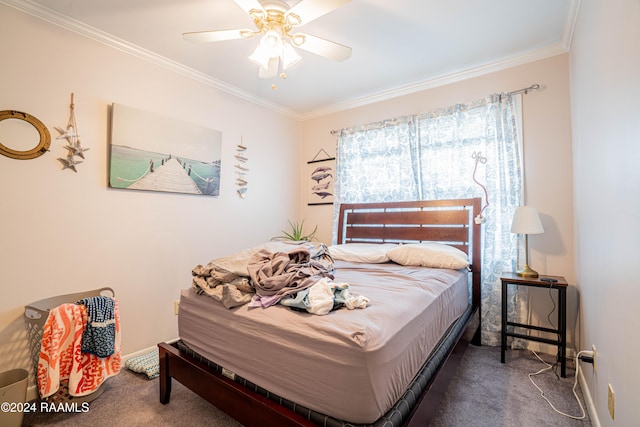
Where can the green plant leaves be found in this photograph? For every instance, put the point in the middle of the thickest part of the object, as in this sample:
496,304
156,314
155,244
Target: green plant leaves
296,233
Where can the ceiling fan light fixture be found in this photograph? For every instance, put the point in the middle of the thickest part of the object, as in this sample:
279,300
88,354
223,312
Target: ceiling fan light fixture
298,39
247,34
293,20
272,43
260,57
270,46
271,70
274,21
289,56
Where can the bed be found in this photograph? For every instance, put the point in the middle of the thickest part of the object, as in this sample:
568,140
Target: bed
387,364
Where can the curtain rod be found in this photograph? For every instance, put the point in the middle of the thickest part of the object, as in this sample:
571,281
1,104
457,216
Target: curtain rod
524,90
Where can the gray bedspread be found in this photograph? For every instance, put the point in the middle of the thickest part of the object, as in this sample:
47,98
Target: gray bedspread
351,365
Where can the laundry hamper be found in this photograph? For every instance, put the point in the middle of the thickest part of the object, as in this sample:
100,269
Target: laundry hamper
36,315
13,391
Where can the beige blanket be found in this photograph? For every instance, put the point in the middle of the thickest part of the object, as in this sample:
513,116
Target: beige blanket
228,281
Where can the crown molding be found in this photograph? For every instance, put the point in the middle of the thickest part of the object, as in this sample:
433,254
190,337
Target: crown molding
34,9
95,34
441,80
570,19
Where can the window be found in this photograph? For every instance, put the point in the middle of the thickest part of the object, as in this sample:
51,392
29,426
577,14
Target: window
431,156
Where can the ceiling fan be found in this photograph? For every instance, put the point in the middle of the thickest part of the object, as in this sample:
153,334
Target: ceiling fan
276,21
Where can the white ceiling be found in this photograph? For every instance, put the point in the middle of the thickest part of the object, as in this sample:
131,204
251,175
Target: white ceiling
399,46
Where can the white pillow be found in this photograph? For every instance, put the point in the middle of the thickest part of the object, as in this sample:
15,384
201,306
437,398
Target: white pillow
373,253
429,254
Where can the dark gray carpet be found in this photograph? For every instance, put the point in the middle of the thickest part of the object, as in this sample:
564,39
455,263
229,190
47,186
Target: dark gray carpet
486,392
483,393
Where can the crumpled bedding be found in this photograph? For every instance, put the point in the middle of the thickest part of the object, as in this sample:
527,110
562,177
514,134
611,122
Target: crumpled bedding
325,296
228,281
275,275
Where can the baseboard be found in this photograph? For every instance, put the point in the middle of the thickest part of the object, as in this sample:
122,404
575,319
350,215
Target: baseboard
145,350
125,357
588,401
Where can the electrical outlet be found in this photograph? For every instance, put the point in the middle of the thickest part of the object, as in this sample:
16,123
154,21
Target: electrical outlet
176,307
593,348
612,402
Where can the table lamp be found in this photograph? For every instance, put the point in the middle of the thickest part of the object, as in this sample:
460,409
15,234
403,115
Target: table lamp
526,221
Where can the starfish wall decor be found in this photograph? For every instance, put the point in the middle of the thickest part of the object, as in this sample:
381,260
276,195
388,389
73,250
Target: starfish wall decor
74,147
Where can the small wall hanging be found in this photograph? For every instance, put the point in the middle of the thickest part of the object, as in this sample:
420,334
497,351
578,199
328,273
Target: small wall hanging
74,147
320,175
241,169
44,140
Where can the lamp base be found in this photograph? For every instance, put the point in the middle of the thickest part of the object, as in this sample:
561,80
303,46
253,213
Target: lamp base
527,272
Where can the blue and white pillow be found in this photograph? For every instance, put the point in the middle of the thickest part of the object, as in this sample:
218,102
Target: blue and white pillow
148,363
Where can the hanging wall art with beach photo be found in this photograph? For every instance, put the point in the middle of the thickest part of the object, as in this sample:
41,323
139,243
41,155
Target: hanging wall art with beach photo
320,177
155,153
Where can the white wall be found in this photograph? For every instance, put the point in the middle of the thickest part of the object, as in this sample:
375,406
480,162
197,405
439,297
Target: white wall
66,232
547,153
605,89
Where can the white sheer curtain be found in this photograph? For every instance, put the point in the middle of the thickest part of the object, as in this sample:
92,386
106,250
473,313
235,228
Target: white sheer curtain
430,156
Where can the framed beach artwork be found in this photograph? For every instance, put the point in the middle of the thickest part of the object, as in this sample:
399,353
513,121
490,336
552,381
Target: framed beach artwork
155,153
320,177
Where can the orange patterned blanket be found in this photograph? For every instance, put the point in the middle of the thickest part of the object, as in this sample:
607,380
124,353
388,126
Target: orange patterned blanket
62,359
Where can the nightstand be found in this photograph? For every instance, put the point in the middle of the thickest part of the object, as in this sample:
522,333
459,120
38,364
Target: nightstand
509,278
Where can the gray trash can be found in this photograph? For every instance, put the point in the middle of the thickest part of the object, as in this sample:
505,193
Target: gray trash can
13,393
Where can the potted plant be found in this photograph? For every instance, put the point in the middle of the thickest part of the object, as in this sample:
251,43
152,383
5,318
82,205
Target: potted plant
296,233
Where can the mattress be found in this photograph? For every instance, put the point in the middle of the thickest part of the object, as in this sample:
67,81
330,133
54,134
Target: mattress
350,364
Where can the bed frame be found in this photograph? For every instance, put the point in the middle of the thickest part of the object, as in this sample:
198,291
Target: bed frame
447,221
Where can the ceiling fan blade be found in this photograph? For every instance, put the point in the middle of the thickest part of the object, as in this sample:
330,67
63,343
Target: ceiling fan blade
249,5
308,10
322,47
214,36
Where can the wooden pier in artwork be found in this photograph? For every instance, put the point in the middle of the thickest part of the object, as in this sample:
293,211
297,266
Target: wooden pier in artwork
168,177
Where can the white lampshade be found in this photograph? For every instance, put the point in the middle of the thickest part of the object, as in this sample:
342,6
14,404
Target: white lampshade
289,56
272,43
270,47
260,57
526,221
271,70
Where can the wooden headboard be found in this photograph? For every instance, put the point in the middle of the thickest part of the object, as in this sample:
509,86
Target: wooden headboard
445,221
